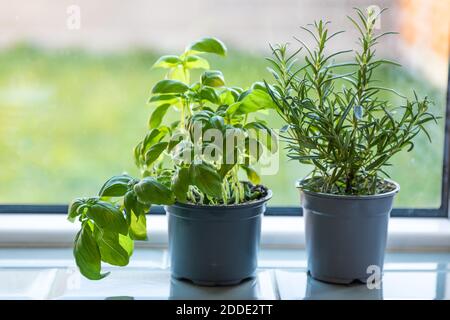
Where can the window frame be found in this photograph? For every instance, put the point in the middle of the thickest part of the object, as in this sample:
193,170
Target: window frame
441,212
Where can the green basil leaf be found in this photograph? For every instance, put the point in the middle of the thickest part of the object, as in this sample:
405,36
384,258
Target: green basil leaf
169,61
140,208
154,152
110,249
233,108
228,96
150,191
73,211
161,99
137,154
169,86
207,179
158,115
196,62
129,201
208,45
252,175
255,100
116,186
136,218
243,94
87,254
213,78
107,216
217,122
151,138
138,227
180,184
127,243
207,93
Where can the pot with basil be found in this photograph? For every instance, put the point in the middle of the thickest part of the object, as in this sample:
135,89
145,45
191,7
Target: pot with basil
191,166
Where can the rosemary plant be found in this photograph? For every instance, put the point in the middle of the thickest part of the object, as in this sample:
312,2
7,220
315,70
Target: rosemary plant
338,122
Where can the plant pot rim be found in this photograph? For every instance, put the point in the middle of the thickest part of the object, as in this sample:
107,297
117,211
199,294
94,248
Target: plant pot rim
248,204
350,197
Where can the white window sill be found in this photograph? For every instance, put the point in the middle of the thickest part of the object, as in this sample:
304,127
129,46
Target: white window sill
50,230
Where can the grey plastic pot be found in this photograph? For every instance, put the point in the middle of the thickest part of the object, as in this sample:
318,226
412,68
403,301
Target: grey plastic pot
215,245
345,234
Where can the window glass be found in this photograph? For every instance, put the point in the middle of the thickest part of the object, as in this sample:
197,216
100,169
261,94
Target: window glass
74,80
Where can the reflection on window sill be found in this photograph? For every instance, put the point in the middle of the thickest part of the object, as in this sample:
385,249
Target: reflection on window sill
41,273
49,230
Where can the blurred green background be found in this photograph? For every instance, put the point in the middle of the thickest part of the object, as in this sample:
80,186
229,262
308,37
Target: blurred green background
69,120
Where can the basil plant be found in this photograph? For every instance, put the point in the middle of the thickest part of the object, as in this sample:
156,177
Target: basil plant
197,159
338,121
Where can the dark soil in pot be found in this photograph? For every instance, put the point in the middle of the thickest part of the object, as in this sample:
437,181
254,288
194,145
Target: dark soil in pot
346,234
215,245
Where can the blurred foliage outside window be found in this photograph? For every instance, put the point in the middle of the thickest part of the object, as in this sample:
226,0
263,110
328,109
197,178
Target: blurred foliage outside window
71,116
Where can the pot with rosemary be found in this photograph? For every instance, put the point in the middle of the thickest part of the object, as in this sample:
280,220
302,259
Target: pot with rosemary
338,122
